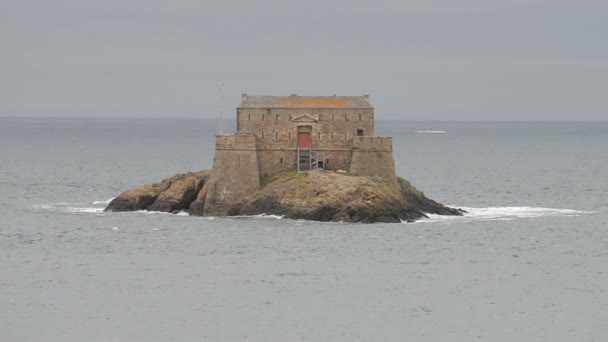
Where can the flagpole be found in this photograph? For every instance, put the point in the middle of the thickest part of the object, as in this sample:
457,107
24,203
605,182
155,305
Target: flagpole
221,108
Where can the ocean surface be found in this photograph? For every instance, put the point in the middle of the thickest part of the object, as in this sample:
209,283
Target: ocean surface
528,263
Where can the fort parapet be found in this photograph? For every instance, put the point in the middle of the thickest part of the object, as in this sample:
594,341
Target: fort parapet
281,133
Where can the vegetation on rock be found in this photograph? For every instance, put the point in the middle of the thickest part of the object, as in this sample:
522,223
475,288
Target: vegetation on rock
315,195
330,196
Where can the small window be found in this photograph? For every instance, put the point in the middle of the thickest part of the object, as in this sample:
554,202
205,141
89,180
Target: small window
281,161
277,117
360,132
319,135
359,117
289,135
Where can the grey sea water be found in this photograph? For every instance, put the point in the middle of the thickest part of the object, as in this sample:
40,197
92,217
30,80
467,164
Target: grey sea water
528,263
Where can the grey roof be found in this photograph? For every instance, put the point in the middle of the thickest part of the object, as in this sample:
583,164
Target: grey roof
294,101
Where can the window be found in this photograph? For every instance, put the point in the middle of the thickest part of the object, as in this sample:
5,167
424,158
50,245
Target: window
281,161
360,132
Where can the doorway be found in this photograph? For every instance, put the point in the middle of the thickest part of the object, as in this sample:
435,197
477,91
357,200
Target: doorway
304,139
304,136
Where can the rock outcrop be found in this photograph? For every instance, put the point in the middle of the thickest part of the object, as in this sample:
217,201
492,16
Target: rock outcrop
315,195
170,195
330,196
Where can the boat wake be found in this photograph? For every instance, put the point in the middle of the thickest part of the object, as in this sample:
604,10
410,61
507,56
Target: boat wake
431,132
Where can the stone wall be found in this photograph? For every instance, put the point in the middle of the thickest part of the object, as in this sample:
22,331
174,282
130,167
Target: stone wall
332,131
373,156
273,161
332,128
266,144
235,173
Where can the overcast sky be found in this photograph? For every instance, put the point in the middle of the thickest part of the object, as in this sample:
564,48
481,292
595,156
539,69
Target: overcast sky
418,60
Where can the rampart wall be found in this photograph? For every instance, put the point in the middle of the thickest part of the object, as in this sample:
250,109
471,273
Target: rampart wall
373,156
235,173
266,144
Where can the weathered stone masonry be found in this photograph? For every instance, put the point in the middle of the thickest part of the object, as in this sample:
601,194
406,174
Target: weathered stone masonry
339,129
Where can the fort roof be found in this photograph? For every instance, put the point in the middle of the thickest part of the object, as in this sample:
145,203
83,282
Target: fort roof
294,101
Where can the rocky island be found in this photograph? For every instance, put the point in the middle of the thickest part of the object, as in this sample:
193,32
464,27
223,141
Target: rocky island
315,195
302,157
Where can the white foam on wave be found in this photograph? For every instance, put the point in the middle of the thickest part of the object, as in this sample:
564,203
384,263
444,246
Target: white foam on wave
503,214
431,132
84,210
150,212
103,202
262,216
69,207
276,217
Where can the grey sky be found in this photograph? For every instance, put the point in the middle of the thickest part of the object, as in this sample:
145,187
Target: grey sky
419,60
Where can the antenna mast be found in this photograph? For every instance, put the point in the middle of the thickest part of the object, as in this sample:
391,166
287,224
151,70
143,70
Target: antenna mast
222,108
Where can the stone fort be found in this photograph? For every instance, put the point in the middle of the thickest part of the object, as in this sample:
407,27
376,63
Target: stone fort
300,133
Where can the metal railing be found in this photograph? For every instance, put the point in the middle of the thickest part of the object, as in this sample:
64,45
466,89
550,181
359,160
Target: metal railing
308,159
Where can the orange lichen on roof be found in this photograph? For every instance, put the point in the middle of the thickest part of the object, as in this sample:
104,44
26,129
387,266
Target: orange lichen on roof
315,102
294,101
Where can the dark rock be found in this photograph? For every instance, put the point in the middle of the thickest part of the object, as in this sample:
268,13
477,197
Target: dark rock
170,195
315,195
330,196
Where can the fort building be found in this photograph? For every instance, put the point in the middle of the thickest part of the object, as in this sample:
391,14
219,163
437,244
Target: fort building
282,133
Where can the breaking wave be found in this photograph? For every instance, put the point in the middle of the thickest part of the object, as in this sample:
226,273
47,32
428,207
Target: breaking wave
70,208
95,207
503,214
102,202
262,216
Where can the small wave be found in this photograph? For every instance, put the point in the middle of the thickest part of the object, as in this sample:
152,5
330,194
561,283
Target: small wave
102,202
262,216
276,217
151,212
69,208
84,210
503,214
431,132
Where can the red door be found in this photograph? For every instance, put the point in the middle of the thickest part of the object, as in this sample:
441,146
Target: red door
304,139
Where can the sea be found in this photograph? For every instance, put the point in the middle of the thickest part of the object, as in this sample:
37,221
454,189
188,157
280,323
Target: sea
528,262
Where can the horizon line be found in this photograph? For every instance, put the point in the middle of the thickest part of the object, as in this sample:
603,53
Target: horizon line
58,117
